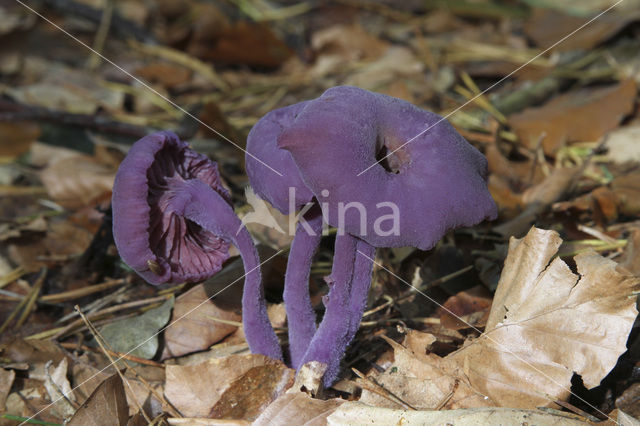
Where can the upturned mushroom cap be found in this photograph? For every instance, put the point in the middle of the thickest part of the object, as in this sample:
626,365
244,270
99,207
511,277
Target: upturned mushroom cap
160,244
437,181
262,144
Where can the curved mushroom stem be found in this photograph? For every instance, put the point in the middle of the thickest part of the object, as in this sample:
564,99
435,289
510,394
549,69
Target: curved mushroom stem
205,207
331,339
301,319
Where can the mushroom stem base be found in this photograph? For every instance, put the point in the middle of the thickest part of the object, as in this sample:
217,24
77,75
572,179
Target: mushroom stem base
349,283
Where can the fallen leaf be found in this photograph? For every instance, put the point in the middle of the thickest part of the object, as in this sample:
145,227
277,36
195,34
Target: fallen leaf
466,308
421,380
622,144
537,199
397,63
196,389
252,392
138,335
106,406
165,74
59,389
245,43
300,409
6,381
583,115
547,322
193,326
547,26
78,181
358,413
17,138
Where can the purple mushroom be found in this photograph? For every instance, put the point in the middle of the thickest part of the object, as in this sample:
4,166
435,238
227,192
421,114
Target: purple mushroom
417,193
173,222
288,193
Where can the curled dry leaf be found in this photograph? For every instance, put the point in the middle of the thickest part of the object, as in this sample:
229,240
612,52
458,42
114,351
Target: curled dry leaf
59,389
547,323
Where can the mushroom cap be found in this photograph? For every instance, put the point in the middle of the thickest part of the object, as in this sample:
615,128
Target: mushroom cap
158,243
437,181
262,144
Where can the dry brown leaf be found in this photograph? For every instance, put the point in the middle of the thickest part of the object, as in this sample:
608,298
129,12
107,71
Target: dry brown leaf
607,203
466,308
350,42
537,199
17,138
193,326
59,389
168,75
622,144
106,406
196,389
298,408
547,323
583,115
357,413
78,181
6,381
422,380
547,26
245,43
251,393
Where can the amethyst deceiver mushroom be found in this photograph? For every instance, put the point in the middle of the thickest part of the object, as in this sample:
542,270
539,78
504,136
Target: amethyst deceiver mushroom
436,183
173,222
287,193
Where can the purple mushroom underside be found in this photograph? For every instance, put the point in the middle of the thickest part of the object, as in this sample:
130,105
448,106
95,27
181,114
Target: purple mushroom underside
173,222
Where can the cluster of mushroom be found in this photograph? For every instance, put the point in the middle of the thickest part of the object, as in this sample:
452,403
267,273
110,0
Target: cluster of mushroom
173,220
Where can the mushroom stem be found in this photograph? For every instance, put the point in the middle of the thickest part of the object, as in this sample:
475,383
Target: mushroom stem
205,207
301,318
331,339
360,285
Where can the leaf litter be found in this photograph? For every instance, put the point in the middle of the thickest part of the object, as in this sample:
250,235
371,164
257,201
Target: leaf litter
549,312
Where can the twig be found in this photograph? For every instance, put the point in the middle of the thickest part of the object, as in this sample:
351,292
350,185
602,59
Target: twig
75,346
180,58
12,276
31,299
101,34
22,303
81,292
